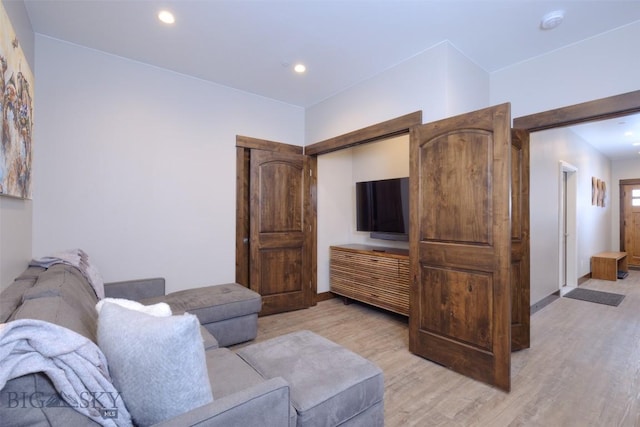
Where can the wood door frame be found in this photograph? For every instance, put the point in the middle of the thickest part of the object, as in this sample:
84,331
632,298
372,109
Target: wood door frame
623,182
520,242
591,111
394,127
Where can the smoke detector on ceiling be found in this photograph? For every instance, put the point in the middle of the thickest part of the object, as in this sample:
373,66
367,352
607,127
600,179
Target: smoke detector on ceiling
552,19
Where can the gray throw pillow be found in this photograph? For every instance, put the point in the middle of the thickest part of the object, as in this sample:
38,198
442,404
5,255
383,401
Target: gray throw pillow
157,363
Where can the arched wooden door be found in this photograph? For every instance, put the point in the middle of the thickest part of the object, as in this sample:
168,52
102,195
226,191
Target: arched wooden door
460,244
275,229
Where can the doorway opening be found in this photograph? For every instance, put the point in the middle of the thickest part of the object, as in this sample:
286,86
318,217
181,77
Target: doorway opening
601,109
568,218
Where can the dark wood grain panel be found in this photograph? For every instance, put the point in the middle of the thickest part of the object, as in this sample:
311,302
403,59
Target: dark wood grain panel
462,213
605,108
281,197
385,129
266,145
458,305
520,247
460,244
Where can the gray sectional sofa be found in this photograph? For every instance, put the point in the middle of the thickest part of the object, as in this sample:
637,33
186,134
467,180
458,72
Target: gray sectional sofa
298,379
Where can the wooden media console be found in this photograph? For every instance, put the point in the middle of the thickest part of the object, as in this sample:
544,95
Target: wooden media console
371,274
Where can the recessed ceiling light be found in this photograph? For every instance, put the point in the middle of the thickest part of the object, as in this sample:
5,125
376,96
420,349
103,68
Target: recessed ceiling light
628,133
552,19
636,144
299,68
166,17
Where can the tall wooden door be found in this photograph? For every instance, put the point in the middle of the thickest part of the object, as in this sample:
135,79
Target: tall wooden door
280,240
630,219
460,244
520,264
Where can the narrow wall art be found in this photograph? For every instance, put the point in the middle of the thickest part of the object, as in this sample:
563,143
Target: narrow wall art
16,107
598,192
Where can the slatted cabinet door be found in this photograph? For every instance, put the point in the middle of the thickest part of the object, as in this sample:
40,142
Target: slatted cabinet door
376,276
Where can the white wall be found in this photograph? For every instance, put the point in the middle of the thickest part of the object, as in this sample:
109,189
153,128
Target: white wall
548,148
440,81
620,169
335,174
596,68
136,164
16,214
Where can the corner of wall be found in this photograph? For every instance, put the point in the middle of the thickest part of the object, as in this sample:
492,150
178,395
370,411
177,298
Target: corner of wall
576,73
467,84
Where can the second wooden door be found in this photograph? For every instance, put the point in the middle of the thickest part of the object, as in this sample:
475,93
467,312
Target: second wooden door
280,233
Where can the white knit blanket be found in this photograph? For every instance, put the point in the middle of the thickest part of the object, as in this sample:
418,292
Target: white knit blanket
74,364
79,259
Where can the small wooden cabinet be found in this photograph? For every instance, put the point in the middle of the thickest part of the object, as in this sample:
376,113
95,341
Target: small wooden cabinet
605,265
374,275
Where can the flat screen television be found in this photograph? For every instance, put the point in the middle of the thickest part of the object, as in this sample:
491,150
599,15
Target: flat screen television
382,208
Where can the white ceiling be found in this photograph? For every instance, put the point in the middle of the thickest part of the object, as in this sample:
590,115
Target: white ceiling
252,45
614,138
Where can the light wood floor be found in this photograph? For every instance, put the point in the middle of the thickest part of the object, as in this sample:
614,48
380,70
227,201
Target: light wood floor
583,367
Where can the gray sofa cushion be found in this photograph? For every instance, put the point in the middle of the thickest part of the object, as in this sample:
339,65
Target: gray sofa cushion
61,295
12,296
263,405
228,373
208,340
213,303
135,289
235,330
329,384
60,311
32,272
158,363
65,280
